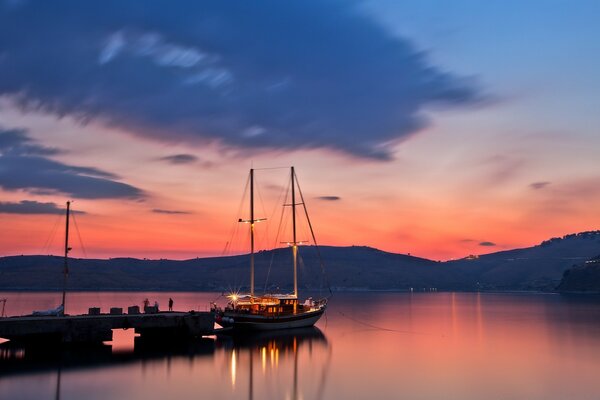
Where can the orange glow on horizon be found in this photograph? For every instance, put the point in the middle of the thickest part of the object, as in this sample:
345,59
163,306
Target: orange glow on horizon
422,213
428,234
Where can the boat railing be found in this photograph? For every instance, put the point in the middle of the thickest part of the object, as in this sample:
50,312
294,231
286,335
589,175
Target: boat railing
320,303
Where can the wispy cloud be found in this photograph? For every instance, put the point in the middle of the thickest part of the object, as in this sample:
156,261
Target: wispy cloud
487,244
539,185
329,198
173,212
25,165
180,159
319,75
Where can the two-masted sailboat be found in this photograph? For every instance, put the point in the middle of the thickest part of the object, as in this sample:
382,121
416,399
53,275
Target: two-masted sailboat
271,311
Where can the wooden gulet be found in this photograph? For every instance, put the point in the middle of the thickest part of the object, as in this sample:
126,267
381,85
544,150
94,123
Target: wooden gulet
274,311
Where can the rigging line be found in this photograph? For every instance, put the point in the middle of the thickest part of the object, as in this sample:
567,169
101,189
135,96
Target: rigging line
51,235
233,244
309,268
235,225
225,249
314,237
79,235
268,168
284,192
262,204
380,328
287,191
51,238
276,206
217,298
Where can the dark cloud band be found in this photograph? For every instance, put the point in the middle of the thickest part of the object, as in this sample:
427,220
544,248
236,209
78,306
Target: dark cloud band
31,207
24,165
259,75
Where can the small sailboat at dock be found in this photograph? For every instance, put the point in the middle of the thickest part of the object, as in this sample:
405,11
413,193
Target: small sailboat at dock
60,310
55,326
255,312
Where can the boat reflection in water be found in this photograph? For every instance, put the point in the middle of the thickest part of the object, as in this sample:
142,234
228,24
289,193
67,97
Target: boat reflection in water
289,363
275,364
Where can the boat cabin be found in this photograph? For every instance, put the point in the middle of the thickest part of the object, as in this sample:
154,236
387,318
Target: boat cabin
265,305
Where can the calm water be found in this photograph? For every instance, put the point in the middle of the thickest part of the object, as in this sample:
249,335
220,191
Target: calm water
371,345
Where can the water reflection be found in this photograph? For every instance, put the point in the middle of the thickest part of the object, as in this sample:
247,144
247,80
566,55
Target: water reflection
18,359
282,355
387,345
267,364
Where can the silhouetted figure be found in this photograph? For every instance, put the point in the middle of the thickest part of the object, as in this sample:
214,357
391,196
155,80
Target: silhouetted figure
170,304
156,305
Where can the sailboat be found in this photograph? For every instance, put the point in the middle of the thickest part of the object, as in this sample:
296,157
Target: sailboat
60,310
271,311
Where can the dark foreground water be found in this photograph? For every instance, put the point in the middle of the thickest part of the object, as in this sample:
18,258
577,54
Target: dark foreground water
369,346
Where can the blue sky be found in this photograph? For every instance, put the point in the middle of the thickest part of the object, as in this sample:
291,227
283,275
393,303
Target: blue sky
543,54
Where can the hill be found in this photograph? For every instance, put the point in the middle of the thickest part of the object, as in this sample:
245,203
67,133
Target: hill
539,267
582,278
533,268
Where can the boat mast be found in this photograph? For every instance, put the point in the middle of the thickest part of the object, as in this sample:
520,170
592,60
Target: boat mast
66,267
294,243
252,232
251,221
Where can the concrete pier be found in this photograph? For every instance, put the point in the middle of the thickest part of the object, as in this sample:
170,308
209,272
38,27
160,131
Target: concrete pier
98,328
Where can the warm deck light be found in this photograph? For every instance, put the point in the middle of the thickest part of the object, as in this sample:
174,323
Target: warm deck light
233,296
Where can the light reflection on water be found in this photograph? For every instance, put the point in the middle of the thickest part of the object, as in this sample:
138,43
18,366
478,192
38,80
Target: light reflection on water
385,345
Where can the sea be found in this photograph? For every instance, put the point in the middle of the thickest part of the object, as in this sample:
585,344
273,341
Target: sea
368,345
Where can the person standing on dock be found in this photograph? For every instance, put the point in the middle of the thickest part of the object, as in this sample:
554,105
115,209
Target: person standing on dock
170,304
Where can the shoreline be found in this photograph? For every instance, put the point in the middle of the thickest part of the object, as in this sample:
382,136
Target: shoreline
346,290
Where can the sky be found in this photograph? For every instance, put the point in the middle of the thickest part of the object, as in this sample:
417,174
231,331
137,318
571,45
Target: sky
439,129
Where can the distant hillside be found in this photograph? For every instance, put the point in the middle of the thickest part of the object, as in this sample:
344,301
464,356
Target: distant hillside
532,268
582,278
347,268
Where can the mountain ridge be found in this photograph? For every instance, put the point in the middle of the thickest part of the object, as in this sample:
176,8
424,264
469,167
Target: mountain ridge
539,267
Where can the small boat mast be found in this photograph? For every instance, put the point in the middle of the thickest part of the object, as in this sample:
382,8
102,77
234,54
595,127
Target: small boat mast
66,257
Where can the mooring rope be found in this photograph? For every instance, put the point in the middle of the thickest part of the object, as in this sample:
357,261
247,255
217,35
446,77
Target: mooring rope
380,328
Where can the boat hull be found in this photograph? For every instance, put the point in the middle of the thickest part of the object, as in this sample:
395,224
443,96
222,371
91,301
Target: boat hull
248,322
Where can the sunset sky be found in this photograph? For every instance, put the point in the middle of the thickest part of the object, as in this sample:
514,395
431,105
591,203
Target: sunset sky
439,129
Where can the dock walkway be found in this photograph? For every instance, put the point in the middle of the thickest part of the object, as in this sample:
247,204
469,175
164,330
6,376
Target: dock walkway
98,328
